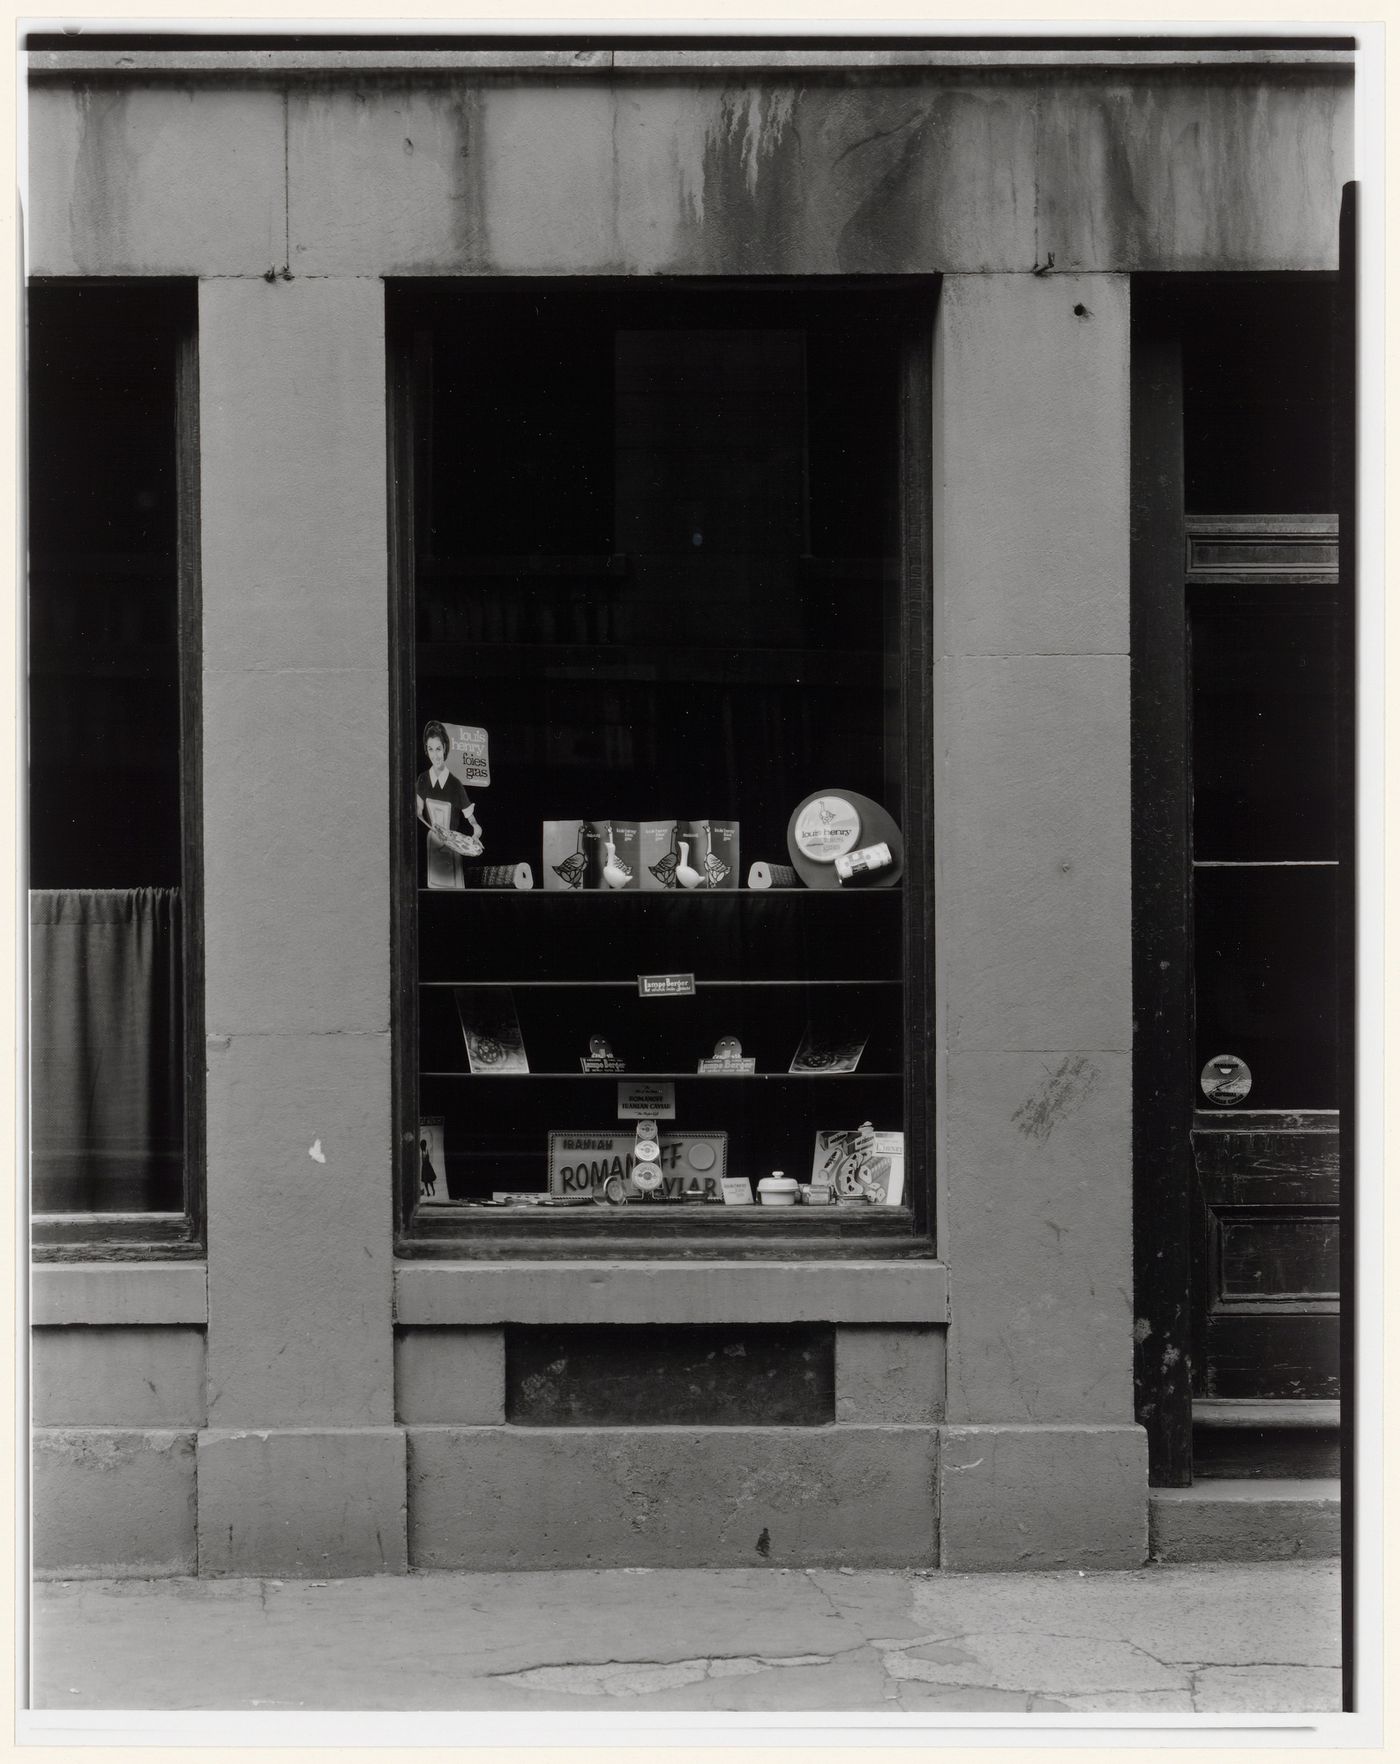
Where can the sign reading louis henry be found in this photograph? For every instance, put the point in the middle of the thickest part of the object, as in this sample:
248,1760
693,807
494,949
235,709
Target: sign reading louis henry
469,759
690,1163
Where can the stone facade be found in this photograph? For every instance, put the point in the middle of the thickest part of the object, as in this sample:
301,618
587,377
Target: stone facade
316,1410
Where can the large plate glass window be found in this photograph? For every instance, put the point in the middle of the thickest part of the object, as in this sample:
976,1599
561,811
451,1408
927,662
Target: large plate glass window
662,675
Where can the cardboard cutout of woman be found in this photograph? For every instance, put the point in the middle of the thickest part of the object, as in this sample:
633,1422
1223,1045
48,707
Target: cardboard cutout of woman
441,804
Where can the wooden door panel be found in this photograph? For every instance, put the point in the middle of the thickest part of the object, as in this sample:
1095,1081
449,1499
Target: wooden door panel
1268,1195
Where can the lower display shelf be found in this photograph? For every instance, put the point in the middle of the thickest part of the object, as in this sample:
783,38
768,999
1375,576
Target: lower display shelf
656,1077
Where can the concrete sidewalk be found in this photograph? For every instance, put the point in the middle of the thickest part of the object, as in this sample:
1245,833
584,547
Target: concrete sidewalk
1261,1638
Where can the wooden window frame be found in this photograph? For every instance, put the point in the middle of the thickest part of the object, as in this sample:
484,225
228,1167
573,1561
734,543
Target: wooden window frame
165,1236
645,1233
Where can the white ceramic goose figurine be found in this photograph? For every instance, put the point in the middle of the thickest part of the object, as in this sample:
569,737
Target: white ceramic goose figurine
687,877
615,874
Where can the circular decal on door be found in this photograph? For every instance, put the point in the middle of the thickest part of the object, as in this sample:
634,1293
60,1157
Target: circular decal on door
827,829
1226,1080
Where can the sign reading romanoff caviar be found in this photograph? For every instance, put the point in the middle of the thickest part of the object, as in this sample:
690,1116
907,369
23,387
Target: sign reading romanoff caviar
690,1163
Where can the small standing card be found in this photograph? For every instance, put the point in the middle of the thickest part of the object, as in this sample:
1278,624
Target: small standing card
728,1060
738,1191
656,869
567,848
709,850
600,1057
491,1029
827,1051
432,1160
613,862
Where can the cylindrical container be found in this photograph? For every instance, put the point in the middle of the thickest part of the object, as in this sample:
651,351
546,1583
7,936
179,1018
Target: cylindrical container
777,1190
773,875
862,862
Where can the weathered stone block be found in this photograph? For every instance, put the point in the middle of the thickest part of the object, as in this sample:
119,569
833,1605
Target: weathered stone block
117,1377
1034,858
1202,173
1038,1156
890,1375
678,1497
296,851
1032,448
300,1231
1247,1520
768,176
292,472
302,1502
111,1502
161,179
444,1375
661,1291
118,1293
1029,1498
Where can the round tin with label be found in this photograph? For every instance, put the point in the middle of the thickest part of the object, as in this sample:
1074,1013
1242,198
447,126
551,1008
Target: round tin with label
816,843
646,1176
648,1151
827,828
1226,1080
646,1130
701,1155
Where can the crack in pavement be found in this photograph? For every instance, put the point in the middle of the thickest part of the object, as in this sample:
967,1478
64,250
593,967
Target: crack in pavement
620,1678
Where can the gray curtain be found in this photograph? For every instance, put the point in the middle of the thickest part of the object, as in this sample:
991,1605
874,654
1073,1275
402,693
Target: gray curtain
105,1050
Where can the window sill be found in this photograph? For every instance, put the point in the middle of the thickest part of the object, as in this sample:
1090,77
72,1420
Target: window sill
119,1294
483,1294
114,1237
771,1234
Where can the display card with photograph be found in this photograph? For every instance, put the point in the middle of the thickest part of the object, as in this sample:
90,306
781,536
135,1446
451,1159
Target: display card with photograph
491,1030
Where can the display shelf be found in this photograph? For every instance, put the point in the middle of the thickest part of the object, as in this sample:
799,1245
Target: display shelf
857,891
789,981
656,1077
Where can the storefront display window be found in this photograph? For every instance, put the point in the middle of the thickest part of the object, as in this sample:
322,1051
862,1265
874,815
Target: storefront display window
662,719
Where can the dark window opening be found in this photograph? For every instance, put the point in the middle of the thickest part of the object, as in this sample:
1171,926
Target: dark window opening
111,700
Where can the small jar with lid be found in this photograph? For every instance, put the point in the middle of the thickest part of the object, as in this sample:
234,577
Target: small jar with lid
777,1190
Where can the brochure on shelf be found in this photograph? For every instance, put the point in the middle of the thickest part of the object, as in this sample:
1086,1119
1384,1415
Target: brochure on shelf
567,846
711,853
657,853
828,1051
491,1029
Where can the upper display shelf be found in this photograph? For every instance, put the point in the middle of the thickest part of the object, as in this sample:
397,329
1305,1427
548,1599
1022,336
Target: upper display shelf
619,563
